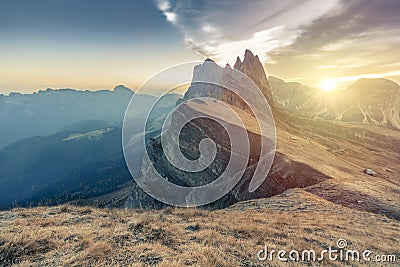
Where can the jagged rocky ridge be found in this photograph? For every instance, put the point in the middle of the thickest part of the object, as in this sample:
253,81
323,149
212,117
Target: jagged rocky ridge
285,173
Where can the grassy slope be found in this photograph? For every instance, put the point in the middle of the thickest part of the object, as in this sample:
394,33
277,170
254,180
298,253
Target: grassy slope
351,205
81,236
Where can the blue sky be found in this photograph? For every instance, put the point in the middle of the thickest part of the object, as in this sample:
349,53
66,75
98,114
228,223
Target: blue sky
88,44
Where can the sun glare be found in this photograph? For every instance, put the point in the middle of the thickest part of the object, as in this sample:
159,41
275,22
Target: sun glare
328,85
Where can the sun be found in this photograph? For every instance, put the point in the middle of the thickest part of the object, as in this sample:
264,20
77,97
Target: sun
328,85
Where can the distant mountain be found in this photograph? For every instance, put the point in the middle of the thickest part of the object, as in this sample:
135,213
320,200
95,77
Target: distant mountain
369,101
377,100
62,167
67,166
83,160
290,96
47,112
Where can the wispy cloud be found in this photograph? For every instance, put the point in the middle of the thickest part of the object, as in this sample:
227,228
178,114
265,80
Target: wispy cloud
224,29
165,7
226,51
311,39
357,39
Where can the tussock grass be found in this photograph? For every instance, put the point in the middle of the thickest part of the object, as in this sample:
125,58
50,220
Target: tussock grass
81,236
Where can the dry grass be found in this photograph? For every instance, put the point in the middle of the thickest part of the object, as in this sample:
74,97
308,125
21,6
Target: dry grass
79,236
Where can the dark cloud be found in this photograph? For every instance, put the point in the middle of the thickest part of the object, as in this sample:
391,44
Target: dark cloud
353,19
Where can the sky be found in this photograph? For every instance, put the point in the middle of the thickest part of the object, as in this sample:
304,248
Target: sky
98,44
85,44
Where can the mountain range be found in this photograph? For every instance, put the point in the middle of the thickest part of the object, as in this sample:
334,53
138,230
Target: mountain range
324,143
368,101
79,160
325,156
50,111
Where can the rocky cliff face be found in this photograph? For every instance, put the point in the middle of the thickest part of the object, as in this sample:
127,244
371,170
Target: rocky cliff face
252,67
285,173
227,78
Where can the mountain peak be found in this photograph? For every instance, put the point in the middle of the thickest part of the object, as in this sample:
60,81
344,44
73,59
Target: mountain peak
253,68
238,63
213,73
122,88
370,86
248,56
370,81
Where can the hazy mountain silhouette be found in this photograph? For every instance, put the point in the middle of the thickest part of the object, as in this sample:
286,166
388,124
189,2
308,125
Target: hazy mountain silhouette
47,112
82,160
368,101
62,167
